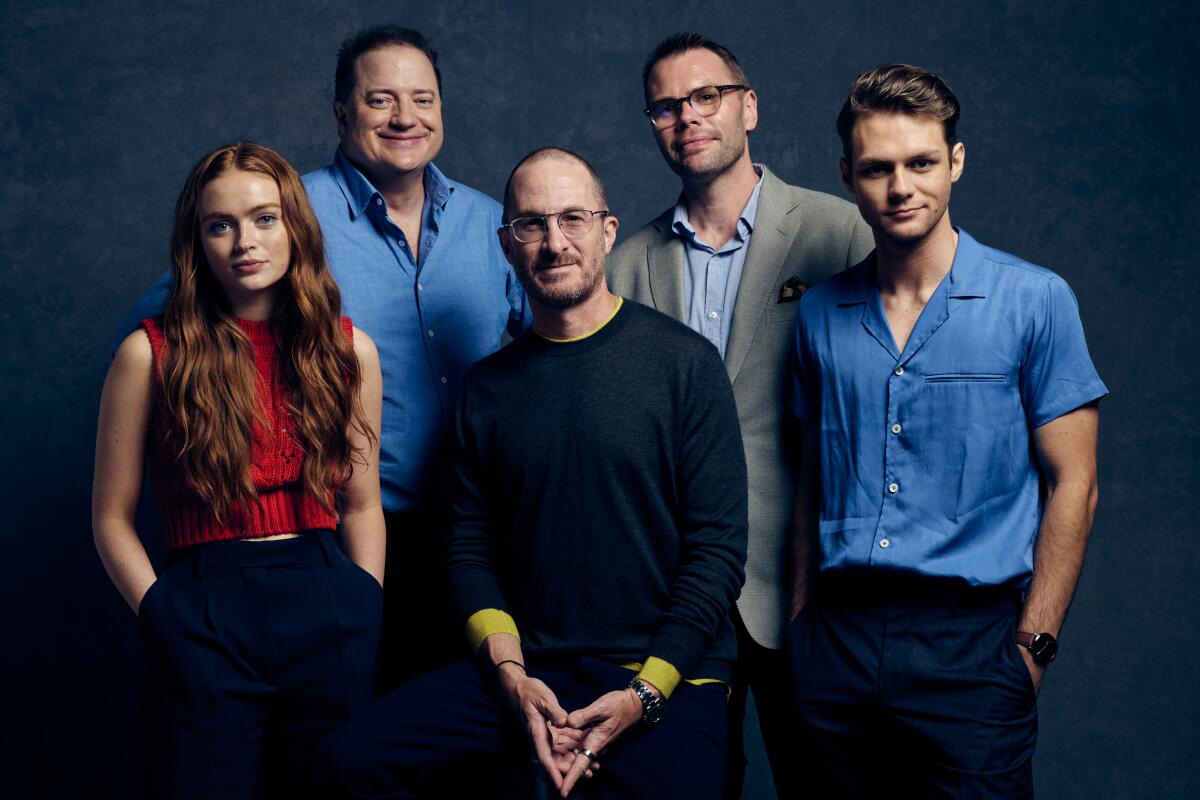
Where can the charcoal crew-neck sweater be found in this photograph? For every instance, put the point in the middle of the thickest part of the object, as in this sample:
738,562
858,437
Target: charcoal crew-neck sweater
599,495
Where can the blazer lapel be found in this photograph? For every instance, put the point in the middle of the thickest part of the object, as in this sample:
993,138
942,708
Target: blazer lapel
775,226
665,261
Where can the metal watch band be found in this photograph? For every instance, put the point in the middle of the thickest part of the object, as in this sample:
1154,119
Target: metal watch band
652,704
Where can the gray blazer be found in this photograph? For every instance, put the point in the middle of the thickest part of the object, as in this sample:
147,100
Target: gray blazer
799,235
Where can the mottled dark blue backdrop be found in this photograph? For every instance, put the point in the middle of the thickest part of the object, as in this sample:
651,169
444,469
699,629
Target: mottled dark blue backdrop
1079,124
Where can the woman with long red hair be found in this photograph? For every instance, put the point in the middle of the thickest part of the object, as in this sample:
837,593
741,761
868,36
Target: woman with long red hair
256,407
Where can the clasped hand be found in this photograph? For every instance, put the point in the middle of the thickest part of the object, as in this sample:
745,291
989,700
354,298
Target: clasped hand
559,739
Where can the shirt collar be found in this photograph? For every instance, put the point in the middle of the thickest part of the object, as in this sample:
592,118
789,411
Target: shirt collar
438,187
966,278
683,227
361,194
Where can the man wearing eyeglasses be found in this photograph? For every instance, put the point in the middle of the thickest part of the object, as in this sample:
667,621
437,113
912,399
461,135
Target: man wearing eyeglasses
730,259
597,538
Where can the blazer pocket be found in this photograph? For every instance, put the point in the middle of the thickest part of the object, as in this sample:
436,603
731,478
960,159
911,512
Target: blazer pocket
967,377
782,313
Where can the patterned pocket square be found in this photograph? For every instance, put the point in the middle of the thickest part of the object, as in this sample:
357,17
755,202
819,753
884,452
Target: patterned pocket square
791,290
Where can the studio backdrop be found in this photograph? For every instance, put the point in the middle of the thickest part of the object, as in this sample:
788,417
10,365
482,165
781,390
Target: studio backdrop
1079,122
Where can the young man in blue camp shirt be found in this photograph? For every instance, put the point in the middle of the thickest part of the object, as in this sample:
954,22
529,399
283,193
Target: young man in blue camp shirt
950,404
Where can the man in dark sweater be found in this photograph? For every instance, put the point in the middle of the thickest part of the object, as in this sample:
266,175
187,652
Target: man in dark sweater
598,537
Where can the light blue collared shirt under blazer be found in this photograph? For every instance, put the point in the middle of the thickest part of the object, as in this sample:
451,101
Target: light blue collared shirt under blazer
927,464
712,277
430,318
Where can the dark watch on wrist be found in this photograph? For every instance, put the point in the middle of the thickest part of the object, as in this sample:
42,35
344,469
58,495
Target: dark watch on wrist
1042,646
653,706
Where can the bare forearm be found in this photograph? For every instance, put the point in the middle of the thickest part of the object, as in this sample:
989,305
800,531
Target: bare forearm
802,529
1058,558
364,534
124,559
502,653
800,551
117,480
500,647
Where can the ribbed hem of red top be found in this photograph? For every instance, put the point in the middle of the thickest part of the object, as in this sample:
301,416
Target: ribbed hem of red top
287,510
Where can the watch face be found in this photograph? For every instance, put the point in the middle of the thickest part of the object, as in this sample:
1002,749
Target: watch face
1043,648
652,705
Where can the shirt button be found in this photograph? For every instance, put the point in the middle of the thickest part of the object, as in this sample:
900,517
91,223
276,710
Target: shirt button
431,334
443,379
420,288
896,427
899,370
884,543
378,201
893,488
713,315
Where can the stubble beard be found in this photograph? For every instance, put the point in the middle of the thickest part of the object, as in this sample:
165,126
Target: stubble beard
712,167
562,299
907,240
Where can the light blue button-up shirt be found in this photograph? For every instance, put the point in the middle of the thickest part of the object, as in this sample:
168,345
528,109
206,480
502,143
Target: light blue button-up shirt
712,277
927,464
430,318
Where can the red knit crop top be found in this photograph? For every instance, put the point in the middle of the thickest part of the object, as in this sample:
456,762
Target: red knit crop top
275,459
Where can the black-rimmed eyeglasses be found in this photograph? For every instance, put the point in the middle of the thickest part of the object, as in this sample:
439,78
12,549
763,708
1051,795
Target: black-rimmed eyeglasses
574,222
704,101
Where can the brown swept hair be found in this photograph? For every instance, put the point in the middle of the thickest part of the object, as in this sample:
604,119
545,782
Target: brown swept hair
209,370
899,89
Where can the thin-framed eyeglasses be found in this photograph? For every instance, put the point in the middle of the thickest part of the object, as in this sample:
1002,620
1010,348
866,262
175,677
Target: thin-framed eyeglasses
705,101
574,222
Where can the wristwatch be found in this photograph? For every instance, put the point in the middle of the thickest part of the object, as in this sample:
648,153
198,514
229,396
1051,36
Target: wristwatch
653,706
1043,646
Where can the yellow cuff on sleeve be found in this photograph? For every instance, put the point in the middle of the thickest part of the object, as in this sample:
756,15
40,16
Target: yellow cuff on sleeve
485,622
661,674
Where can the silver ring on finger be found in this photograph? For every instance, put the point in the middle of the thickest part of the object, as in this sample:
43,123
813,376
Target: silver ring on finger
588,754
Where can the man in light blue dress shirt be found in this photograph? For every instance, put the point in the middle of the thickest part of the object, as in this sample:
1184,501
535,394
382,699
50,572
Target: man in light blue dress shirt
713,275
950,408
417,261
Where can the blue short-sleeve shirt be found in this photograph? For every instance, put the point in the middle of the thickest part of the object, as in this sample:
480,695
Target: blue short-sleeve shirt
927,459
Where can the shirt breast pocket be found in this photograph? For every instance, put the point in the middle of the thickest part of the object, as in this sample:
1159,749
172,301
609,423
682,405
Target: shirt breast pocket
967,377
971,425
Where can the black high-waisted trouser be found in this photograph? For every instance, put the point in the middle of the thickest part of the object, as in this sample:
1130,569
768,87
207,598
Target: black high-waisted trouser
255,650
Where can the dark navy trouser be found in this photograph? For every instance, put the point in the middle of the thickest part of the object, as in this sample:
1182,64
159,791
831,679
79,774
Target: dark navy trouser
790,750
453,719
255,650
915,688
